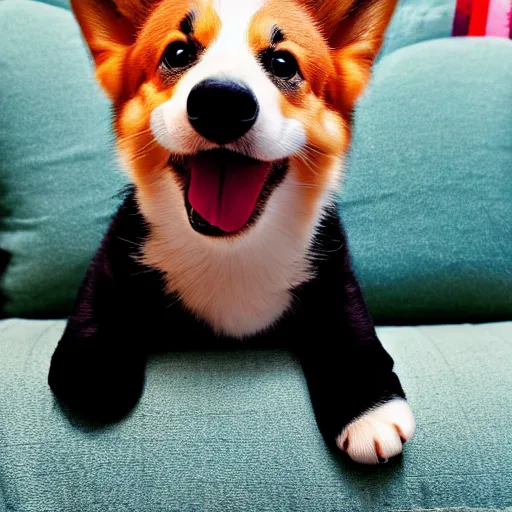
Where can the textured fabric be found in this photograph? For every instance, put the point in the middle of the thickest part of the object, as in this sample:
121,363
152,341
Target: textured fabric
415,21
235,431
427,248
58,178
58,3
427,199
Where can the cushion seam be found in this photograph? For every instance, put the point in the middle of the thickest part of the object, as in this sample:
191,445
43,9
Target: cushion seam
50,5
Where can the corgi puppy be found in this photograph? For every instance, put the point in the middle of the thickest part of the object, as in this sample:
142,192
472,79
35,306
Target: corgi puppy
232,118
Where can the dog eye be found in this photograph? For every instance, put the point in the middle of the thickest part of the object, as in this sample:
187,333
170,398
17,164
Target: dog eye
284,65
178,54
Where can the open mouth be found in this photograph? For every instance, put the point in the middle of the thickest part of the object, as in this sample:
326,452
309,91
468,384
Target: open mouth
225,191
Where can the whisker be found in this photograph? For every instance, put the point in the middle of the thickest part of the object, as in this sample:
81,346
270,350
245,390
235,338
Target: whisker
311,148
307,161
145,151
131,242
308,186
134,135
149,144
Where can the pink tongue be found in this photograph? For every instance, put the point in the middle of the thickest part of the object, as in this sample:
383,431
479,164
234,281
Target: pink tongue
224,188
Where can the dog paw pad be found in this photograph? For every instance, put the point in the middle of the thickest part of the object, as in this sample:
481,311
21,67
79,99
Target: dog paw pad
379,433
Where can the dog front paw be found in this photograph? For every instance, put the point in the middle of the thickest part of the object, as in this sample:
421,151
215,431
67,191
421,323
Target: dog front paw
379,433
97,383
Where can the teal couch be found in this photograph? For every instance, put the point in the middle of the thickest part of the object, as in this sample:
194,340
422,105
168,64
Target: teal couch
427,203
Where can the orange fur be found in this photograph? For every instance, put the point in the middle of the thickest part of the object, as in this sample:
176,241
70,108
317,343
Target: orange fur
241,283
334,41
145,159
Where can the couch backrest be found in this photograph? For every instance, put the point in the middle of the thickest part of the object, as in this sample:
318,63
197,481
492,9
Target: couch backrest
427,196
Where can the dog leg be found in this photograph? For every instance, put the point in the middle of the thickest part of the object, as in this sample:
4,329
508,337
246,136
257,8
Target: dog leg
358,400
98,366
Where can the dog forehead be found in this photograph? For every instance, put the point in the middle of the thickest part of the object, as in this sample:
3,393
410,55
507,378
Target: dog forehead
235,19
239,12
251,23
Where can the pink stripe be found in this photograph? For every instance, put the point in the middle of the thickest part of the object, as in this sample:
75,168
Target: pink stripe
498,18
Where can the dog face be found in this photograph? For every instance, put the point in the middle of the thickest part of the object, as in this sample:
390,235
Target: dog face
222,102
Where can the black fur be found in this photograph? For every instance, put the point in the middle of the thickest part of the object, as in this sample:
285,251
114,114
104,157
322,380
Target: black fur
187,24
122,313
277,36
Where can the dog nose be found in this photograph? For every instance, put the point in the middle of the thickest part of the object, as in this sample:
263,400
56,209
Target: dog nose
222,110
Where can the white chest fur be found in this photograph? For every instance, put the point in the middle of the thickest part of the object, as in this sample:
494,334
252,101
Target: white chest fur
238,287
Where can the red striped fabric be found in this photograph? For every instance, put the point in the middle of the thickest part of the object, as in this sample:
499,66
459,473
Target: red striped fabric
478,20
462,17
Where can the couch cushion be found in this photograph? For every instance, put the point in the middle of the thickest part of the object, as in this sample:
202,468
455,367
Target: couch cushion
217,432
424,251
415,21
58,177
427,197
58,3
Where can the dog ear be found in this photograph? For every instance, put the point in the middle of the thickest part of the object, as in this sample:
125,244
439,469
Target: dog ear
135,10
109,28
355,31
